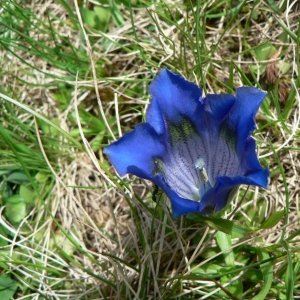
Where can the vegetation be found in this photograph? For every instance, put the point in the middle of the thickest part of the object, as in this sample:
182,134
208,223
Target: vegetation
74,77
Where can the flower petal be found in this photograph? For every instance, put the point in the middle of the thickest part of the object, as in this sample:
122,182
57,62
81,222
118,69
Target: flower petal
242,115
249,158
139,147
154,116
222,158
216,108
180,206
229,122
218,197
182,154
173,113
173,97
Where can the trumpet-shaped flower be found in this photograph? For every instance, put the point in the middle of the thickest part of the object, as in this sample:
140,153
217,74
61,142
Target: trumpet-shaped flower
198,150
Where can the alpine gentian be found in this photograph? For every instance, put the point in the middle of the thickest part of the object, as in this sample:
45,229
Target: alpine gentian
197,150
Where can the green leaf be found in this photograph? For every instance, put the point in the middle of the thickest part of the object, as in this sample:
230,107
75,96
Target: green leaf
253,275
15,209
8,287
59,240
283,66
18,178
289,274
267,271
88,119
224,242
42,177
286,29
5,190
258,69
88,17
102,16
226,226
63,97
265,51
235,287
97,142
94,124
50,130
274,6
273,220
97,18
27,194
117,16
208,269
3,234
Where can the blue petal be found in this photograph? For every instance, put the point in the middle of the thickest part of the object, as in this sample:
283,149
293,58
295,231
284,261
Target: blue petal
218,197
216,108
180,171
173,97
180,206
173,113
139,147
242,114
249,158
211,125
227,123
154,117
211,116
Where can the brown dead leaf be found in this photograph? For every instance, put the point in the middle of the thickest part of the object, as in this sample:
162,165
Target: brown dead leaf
272,72
283,92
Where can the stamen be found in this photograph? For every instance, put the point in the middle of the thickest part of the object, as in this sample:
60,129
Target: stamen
199,165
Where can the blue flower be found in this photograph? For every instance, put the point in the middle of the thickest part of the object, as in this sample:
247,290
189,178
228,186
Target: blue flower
197,150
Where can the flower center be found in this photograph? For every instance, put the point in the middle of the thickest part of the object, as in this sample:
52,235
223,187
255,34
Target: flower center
199,165
204,181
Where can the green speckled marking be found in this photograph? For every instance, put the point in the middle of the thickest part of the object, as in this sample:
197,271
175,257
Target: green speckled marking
158,166
181,131
230,137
